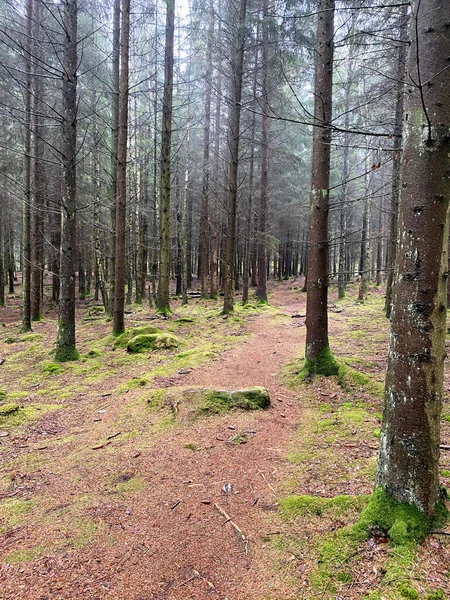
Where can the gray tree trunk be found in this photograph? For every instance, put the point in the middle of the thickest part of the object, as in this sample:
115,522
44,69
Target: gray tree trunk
163,305
234,117
261,290
396,162
317,345
26,210
121,192
65,342
409,445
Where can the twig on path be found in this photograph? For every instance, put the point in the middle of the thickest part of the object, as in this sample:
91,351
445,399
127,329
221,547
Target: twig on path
176,504
267,483
444,447
234,525
440,532
210,585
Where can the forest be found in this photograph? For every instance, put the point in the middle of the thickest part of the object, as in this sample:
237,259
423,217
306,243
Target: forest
224,283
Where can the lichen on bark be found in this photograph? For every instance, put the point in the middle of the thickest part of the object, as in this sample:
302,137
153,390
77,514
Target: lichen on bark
409,445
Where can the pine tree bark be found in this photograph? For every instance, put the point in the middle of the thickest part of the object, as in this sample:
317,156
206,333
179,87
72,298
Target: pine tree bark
214,258
121,195
397,158
37,259
409,444
26,210
204,217
248,244
261,290
2,262
317,345
234,117
114,142
163,305
65,342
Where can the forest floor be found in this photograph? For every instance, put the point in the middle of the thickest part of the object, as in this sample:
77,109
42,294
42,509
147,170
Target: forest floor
113,487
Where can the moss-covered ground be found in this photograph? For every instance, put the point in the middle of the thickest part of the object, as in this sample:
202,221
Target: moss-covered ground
326,501
73,436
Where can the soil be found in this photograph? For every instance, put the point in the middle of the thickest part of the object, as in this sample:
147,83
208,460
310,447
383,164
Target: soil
200,521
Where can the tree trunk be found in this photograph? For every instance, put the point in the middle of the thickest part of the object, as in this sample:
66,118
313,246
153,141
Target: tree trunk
234,116
318,358
26,210
114,144
65,343
379,263
409,446
396,162
163,305
2,262
204,217
213,268
121,195
37,258
261,290
364,270
248,243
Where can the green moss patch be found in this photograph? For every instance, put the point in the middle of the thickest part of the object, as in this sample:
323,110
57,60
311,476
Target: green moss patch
302,505
136,382
324,364
133,484
152,341
52,369
12,512
13,415
401,522
24,555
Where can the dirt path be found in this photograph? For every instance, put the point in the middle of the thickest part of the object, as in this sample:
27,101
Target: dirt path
173,540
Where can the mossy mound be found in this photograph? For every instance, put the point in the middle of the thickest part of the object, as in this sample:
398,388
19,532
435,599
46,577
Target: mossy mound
218,401
96,310
92,354
122,340
152,341
402,522
2,395
52,369
8,409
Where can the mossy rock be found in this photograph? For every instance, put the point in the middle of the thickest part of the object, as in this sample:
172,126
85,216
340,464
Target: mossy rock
152,341
218,401
96,310
122,340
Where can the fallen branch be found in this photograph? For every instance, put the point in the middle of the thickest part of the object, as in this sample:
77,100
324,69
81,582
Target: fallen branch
234,525
444,447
